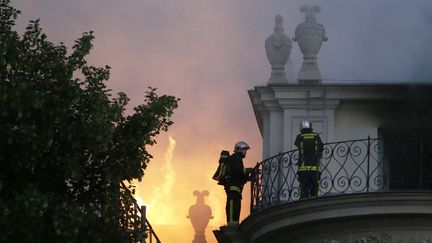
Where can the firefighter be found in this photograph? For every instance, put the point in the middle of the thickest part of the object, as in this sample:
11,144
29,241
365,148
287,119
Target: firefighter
238,176
310,151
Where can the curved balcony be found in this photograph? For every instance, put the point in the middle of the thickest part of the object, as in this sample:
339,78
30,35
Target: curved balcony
370,190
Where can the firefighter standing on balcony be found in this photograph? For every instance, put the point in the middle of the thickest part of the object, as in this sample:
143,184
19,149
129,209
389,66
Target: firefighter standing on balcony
238,176
310,151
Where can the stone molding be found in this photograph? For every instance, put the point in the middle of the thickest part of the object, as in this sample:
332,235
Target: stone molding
275,97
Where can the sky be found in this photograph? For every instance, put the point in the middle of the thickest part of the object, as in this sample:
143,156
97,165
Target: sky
209,53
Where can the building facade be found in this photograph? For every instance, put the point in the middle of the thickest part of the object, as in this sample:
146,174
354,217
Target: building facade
376,170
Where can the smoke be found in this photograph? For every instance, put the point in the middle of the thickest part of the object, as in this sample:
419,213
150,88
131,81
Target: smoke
376,40
161,206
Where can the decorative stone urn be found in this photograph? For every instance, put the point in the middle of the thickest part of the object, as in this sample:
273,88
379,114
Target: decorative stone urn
200,215
278,48
310,36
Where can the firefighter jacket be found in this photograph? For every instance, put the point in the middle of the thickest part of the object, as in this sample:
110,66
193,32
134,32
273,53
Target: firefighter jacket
310,150
238,174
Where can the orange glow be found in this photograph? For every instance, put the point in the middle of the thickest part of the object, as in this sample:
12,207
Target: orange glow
196,51
167,191
159,208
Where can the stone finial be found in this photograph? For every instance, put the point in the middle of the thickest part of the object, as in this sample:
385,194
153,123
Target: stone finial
310,11
278,23
200,215
310,35
278,48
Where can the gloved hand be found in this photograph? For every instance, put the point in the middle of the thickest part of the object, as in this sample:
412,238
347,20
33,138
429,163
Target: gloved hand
250,174
248,170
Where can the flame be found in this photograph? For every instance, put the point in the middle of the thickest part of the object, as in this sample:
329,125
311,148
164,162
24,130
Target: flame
168,193
160,207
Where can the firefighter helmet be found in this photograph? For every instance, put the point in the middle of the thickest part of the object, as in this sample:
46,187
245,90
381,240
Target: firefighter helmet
305,124
241,146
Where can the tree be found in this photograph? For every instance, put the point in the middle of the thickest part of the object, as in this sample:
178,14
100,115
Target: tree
66,144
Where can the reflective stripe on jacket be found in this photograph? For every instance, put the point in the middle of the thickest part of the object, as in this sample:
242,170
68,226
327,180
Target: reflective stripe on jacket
310,150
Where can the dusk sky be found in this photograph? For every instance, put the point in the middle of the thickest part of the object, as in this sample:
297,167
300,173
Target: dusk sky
209,53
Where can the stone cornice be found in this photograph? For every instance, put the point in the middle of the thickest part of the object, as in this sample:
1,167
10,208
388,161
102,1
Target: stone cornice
349,92
330,96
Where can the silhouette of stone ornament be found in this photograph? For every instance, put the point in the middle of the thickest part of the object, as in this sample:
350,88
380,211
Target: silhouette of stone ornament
278,49
310,36
200,215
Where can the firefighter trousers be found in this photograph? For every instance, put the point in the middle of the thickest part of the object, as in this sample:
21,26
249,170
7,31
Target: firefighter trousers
308,180
232,207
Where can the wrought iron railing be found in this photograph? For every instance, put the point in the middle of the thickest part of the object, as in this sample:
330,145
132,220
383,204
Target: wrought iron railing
356,166
140,229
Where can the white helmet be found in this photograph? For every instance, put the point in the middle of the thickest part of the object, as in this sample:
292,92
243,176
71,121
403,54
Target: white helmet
305,124
241,146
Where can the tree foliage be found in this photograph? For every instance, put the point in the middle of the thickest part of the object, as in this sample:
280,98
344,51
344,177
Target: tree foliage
65,143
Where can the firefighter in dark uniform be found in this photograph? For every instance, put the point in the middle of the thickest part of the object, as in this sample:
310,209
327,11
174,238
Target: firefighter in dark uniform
310,151
238,176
